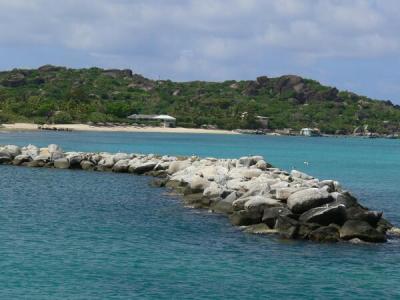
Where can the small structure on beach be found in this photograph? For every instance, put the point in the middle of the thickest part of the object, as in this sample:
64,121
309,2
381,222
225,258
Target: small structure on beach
165,120
310,132
263,121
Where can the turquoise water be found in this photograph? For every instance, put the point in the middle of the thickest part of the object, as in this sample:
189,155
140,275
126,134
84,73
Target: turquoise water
84,235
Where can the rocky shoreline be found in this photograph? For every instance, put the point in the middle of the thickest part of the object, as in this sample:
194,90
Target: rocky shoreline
248,190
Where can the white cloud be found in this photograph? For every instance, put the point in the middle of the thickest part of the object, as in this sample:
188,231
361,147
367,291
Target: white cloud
216,39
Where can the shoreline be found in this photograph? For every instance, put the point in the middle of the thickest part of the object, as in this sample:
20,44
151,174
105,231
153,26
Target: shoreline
85,127
253,194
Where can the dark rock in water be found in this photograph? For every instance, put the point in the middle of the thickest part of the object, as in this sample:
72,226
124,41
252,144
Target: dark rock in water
159,182
325,215
244,217
358,213
158,173
325,234
260,228
362,230
383,225
271,214
287,227
306,199
225,205
197,200
305,229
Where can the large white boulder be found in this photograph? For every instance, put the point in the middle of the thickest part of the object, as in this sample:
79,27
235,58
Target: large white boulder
306,199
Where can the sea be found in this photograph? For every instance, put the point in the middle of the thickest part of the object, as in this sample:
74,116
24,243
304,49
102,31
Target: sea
71,234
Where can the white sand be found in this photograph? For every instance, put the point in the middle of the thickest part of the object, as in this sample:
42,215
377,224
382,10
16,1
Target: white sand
84,127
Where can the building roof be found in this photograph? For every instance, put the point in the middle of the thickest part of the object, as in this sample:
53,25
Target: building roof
151,117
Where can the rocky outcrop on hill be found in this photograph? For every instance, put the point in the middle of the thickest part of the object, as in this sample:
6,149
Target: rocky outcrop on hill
249,190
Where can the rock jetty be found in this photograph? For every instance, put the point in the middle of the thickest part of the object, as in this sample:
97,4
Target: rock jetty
249,190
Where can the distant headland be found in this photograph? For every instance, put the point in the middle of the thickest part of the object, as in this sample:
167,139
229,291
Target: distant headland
281,105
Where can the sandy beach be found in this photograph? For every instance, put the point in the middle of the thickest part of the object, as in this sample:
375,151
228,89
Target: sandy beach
85,127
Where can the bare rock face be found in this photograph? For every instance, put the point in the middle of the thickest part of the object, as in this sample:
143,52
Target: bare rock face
306,199
61,163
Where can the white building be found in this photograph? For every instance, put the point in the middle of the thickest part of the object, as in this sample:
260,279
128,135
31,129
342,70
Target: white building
165,120
310,132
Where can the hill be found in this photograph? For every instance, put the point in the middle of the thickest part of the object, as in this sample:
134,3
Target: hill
63,95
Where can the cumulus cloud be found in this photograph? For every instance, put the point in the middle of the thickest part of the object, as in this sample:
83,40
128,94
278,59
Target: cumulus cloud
204,39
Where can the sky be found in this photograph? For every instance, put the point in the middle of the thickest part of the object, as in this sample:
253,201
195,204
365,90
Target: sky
351,44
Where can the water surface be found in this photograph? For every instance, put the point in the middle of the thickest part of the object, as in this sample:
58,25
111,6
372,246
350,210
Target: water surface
86,235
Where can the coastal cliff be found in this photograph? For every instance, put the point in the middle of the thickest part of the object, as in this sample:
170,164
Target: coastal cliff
253,194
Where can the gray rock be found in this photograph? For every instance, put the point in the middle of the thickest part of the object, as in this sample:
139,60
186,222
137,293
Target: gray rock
19,159
344,198
177,166
141,169
271,214
87,165
121,166
287,227
5,157
325,234
258,203
361,214
225,205
301,175
61,163
304,200
284,193
259,229
13,150
198,184
244,218
325,215
30,150
362,230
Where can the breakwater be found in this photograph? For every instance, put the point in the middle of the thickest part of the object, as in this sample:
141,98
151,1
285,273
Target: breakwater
249,190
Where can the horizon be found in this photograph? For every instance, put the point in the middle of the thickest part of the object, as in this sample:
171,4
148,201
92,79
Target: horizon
352,45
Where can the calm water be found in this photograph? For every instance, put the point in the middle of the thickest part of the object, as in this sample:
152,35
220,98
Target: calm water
85,235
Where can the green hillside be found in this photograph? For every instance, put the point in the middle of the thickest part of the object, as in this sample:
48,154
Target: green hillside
62,95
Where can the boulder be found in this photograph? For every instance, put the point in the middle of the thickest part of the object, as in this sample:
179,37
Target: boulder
177,166
271,214
260,228
55,152
287,227
325,234
360,229
19,159
87,165
325,215
143,168
120,156
262,165
5,157
61,163
284,193
244,218
344,198
30,150
198,184
107,162
306,199
13,150
258,203
121,166
225,205
213,190
361,214
301,175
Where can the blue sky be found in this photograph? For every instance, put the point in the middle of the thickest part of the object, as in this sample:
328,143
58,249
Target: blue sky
354,45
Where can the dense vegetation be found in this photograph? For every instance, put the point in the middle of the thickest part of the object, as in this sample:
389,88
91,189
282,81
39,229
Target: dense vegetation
61,95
